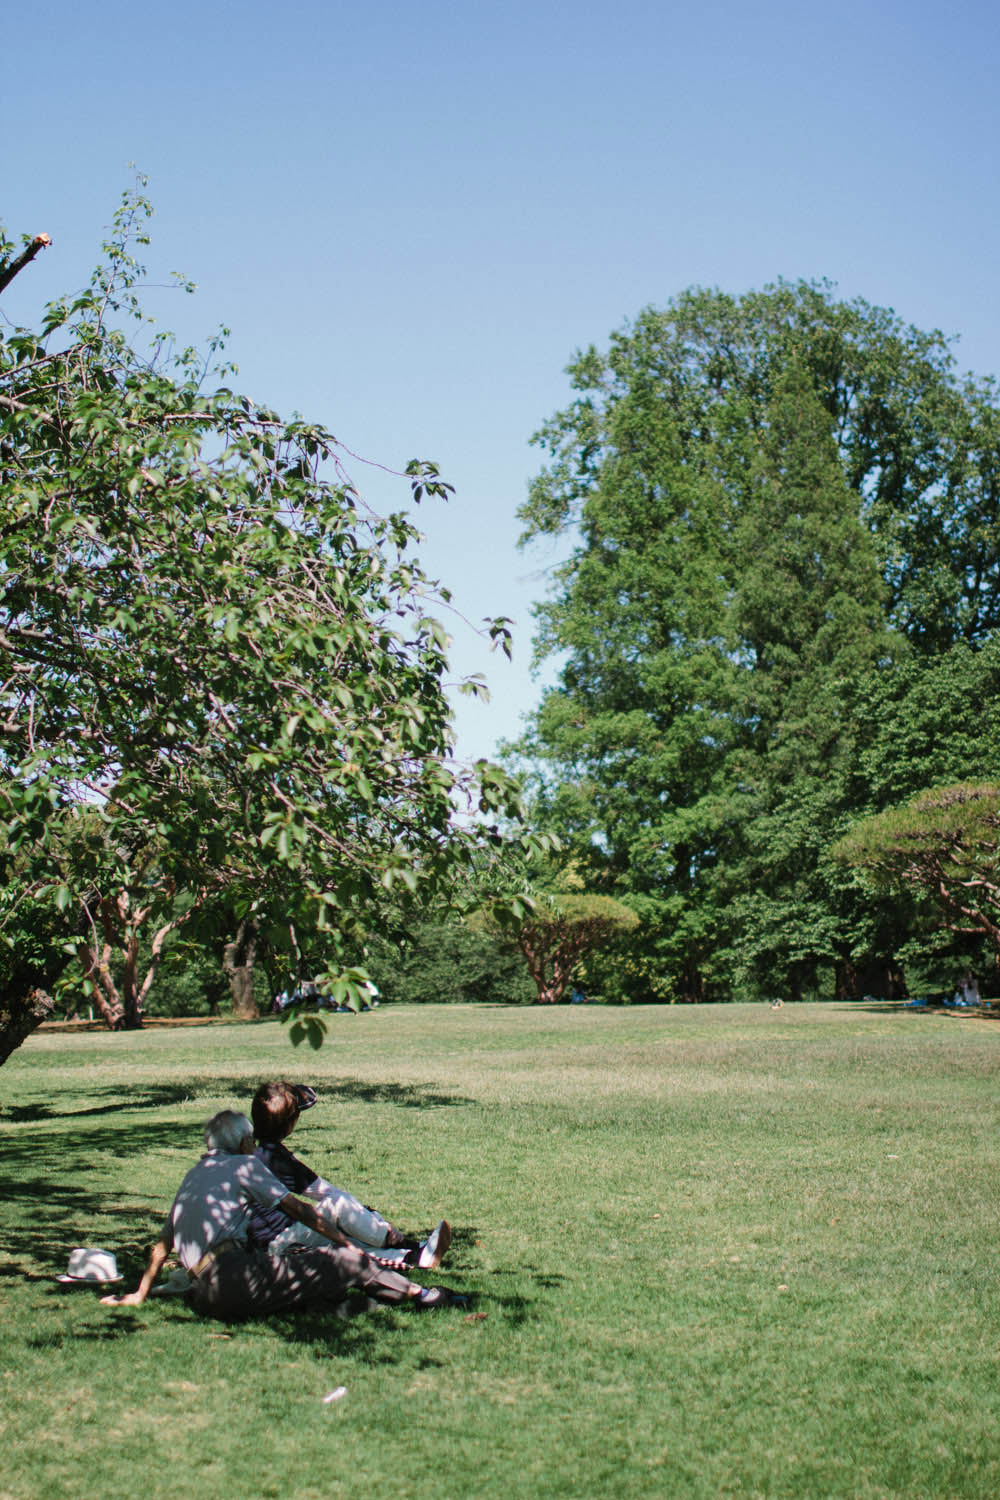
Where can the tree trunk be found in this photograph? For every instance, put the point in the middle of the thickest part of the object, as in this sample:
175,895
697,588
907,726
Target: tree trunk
20,1013
694,984
132,995
96,964
845,982
882,977
549,966
25,1001
238,959
136,1006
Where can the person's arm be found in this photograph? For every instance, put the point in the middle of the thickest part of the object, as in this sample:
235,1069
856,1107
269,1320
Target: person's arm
304,1213
157,1256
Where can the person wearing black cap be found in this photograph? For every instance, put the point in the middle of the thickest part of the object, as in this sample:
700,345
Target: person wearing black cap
275,1111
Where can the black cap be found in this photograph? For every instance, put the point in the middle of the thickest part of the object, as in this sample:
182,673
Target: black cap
305,1096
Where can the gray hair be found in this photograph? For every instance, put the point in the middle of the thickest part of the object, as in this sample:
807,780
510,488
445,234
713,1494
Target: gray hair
227,1131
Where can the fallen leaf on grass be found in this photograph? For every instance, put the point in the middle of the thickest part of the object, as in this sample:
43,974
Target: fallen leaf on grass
473,1317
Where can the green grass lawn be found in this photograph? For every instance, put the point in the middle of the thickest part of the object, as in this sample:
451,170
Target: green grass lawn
714,1251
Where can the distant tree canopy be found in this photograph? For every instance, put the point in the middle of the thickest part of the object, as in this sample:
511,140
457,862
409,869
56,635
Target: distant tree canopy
443,959
944,845
220,683
555,933
562,930
780,613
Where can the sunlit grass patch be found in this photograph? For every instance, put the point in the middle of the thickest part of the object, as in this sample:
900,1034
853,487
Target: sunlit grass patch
718,1251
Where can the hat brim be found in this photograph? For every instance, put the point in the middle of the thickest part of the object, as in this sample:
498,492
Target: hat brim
89,1280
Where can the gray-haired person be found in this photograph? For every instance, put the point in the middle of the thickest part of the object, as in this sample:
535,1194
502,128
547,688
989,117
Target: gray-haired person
207,1228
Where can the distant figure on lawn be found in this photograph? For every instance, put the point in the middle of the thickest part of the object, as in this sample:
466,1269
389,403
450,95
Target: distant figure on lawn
275,1110
969,989
207,1227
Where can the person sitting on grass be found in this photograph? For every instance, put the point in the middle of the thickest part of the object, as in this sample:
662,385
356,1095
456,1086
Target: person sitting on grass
275,1110
207,1227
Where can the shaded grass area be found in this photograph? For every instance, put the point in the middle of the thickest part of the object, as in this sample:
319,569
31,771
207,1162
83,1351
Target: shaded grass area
720,1251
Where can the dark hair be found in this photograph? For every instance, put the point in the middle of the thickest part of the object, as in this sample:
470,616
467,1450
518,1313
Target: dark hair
275,1109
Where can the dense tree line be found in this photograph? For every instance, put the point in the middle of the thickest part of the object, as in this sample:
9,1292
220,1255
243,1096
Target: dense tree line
780,614
225,752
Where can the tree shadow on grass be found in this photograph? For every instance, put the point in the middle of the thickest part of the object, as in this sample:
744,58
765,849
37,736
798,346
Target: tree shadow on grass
18,1273
464,1237
515,1310
884,1007
123,1097
370,1333
405,1095
69,1156
320,1329
107,1330
54,1200
366,1332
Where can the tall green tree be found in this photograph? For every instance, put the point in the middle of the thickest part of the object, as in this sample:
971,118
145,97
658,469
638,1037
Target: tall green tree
210,646
778,502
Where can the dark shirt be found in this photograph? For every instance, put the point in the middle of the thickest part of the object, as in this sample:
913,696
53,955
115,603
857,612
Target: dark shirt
267,1223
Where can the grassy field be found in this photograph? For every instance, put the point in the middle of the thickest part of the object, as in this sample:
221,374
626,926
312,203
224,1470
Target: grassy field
714,1251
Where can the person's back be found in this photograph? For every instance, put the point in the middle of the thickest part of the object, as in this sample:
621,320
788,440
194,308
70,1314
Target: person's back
219,1198
275,1112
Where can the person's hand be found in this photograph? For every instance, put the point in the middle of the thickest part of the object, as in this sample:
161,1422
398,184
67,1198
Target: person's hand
131,1299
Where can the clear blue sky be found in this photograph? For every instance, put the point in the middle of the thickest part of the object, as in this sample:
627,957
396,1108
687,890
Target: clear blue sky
412,215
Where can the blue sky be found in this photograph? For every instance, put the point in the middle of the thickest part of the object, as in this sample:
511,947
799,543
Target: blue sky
411,218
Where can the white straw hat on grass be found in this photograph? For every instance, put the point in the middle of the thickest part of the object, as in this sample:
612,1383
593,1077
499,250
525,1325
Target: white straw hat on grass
91,1267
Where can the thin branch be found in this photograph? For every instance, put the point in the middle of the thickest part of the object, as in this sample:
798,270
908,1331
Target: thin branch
13,405
10,270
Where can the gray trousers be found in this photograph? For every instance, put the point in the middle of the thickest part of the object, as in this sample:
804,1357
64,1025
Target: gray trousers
241,1283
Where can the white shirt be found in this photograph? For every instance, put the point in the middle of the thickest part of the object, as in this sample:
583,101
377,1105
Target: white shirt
213,1202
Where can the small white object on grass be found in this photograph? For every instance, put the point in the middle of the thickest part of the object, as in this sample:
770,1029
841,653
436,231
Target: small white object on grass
337,1395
